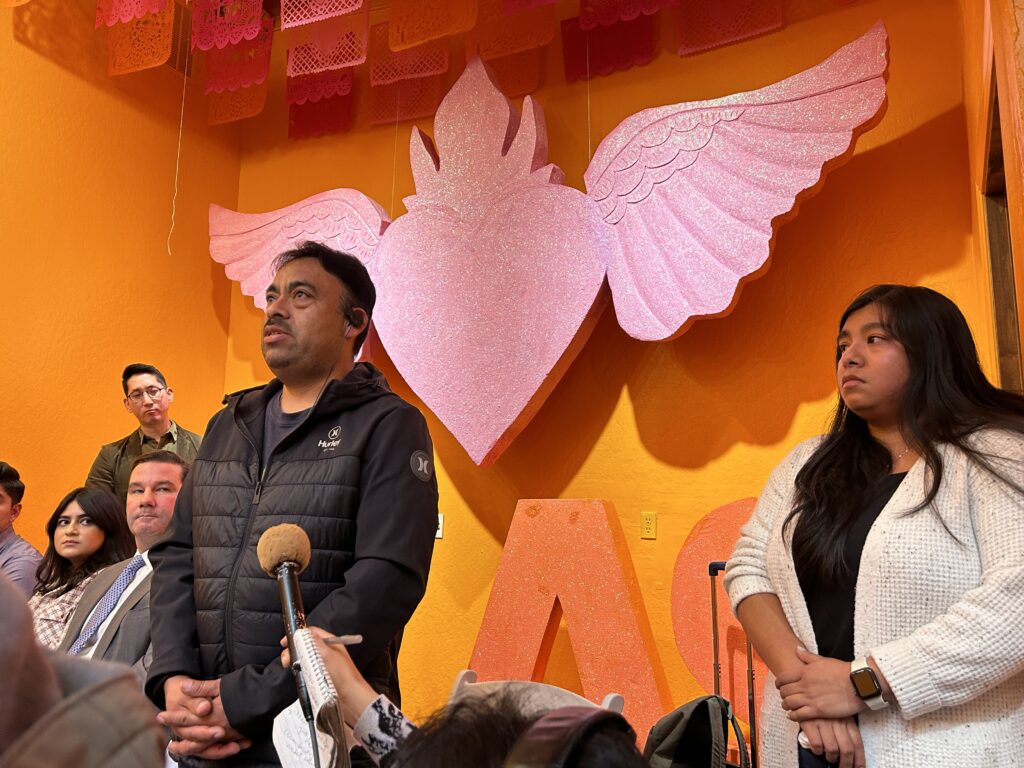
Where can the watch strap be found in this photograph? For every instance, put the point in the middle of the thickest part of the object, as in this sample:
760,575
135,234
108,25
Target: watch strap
877,701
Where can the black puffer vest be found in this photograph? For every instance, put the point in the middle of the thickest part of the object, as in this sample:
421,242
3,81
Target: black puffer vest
358,434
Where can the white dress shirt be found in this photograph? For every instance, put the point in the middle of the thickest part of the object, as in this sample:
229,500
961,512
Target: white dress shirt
141,574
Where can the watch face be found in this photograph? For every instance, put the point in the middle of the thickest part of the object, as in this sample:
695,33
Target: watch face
865,682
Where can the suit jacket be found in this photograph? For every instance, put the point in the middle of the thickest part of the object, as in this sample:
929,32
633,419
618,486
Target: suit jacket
126,638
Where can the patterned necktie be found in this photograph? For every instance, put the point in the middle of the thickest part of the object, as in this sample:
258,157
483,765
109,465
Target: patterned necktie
106,604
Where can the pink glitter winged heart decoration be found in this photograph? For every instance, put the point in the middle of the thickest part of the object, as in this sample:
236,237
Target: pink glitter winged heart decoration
492,282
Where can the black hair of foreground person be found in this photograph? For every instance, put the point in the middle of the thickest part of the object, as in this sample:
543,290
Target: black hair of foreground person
56,572
946,400
511,725
481,732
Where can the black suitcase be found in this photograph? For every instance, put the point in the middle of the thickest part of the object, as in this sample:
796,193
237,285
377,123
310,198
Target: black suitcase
714,568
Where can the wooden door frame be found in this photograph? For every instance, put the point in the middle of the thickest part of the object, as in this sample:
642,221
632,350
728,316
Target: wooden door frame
1003,48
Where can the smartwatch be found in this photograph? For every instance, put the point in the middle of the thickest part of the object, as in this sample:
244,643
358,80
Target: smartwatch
865,683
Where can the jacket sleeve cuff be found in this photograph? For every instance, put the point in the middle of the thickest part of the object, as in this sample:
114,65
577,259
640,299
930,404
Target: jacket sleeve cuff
743,586
913,687
162,670
252,696
154,688
382,728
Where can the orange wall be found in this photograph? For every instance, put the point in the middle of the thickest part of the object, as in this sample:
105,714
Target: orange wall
86,178
682,427
976,43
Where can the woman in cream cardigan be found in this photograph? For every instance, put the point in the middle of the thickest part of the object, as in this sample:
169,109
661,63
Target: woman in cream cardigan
881,575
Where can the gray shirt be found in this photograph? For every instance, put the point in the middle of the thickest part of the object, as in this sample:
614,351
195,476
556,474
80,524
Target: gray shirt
19,560
277,425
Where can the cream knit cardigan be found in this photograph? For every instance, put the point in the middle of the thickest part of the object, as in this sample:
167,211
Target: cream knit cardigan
943,619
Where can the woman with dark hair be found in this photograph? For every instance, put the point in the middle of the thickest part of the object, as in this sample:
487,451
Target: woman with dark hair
881,575
87,532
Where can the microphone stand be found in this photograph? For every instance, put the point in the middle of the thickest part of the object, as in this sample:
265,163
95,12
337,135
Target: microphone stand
295,619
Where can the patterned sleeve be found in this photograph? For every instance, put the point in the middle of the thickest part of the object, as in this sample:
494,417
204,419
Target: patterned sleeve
382,728
51,613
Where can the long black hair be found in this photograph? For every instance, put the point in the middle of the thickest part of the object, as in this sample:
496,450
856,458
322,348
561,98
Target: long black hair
947,398
480,731
56,572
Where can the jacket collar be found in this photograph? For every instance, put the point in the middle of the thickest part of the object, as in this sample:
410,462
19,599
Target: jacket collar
362,384
138,438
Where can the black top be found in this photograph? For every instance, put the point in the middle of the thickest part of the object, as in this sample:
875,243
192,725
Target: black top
831,603
277,425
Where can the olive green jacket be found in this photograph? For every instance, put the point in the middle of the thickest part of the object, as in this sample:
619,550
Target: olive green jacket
113,465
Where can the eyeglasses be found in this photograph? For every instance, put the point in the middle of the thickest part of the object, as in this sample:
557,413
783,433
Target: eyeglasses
152,392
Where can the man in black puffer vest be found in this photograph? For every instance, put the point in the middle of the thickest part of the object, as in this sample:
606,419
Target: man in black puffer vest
325,445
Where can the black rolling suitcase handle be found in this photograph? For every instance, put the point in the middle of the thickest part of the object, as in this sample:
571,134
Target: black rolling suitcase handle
714,568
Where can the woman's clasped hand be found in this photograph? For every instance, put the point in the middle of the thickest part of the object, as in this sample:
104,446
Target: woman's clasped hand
820,688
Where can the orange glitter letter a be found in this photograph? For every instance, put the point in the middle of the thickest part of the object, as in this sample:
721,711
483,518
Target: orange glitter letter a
571,553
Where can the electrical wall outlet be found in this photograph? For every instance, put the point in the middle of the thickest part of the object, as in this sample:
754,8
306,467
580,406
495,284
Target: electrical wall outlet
648,525
439,534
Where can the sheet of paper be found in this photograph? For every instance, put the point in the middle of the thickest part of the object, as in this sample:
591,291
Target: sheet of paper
292,742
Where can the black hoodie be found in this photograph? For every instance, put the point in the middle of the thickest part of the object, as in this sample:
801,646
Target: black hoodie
357,475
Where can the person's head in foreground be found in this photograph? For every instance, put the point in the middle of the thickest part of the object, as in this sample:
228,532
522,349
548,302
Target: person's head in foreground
51,713
503,729
494,731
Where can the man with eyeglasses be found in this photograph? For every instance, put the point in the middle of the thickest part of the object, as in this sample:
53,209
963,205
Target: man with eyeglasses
148,398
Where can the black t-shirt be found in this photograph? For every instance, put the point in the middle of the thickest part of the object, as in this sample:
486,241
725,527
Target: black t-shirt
831,603
277,425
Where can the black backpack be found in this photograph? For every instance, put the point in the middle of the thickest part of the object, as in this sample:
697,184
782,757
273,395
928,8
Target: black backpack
695,735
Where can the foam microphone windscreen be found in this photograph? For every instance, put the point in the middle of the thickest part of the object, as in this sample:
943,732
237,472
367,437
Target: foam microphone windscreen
281,544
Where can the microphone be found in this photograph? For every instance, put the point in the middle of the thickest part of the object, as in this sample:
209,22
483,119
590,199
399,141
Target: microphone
284,552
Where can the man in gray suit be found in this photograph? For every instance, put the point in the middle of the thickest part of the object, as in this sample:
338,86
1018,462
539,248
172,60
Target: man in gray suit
111,621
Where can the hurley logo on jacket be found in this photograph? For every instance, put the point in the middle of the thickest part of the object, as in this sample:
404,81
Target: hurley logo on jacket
333,440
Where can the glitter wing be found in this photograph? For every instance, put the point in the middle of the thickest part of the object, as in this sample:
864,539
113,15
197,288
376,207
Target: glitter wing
694,192
247,243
